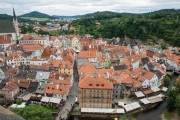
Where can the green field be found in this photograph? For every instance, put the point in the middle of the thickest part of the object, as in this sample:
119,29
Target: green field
36,19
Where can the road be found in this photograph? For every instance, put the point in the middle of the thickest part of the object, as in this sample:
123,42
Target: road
64,112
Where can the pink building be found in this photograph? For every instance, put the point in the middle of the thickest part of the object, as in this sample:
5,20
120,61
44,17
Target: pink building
10,90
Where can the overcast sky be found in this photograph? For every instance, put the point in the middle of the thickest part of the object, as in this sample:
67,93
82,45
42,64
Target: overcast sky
79,7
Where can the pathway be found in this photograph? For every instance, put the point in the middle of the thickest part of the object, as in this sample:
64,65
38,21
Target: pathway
64,112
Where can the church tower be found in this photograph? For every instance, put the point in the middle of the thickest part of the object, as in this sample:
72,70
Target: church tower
15,23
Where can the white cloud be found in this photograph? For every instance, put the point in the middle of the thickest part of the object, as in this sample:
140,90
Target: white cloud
78,7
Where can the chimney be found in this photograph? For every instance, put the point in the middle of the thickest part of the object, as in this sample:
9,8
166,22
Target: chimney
60,78
57,86
40,84
18,81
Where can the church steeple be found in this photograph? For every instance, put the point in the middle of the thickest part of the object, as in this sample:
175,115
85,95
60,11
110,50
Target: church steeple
14,14
15,23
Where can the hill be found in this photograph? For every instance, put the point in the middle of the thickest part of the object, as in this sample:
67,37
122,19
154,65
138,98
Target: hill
36,14
9,17
149,27
91,15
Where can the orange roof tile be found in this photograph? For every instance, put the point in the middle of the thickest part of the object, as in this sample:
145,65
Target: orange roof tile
92,82
5,39
86,68
87,54
12,71
20,82
56,89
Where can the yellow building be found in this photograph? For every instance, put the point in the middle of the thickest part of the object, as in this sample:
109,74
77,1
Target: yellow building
95,92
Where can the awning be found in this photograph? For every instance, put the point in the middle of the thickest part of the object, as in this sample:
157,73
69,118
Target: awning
139,94
155,99
135,105
146,92
155,89
45,99
128,108
121,104
102,110
164,89
145,101
120,111
55,100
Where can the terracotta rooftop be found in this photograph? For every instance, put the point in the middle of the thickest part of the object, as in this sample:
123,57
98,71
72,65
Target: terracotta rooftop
5,39
87,54
56,89
12,71
11,86
32,47
86,68
20,82
93,82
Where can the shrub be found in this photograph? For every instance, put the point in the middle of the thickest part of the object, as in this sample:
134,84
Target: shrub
19,102
167,81
9,102
1,96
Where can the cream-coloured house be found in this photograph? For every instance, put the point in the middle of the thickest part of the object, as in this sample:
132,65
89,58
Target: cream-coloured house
35,39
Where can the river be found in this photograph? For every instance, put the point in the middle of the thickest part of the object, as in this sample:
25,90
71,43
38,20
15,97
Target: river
151,114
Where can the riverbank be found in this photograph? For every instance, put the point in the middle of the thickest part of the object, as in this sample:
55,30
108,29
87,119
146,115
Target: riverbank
150,114
170,115
77,112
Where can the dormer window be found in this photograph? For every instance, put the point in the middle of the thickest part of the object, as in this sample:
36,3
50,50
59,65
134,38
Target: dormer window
90,84
52,88
102,85
60,89
48,87
97,84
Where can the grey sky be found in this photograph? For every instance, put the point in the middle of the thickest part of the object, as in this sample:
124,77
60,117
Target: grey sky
79,7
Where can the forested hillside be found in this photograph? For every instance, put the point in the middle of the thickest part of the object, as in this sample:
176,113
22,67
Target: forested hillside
164,24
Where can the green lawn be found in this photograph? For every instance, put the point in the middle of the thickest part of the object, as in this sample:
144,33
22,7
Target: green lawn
167,114
36,19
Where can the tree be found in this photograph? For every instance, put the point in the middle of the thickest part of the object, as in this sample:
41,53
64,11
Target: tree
34,112
171,104
177,86
167,81
173,93
163,46
177,104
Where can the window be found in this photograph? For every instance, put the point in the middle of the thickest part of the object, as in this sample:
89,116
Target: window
84,90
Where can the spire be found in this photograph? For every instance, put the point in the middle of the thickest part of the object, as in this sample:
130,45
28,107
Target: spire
14,15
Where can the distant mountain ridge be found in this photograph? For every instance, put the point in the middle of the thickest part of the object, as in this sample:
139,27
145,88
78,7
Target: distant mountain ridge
37,14
123,14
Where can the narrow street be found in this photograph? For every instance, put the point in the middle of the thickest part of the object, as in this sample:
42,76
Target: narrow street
63,114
